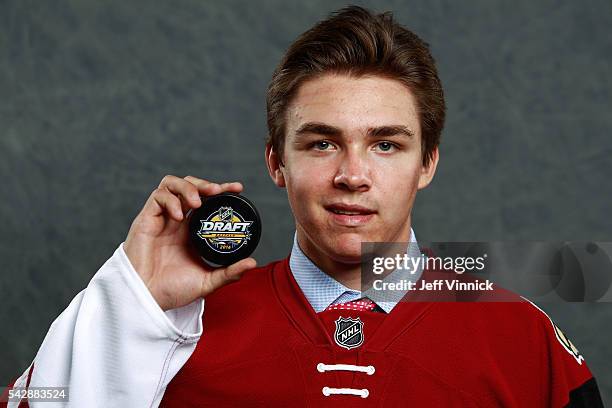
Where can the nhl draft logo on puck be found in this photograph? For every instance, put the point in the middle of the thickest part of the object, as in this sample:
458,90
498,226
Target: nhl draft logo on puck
349,332
225,229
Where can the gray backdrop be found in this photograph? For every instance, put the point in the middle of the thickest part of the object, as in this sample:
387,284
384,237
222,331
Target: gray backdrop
99,100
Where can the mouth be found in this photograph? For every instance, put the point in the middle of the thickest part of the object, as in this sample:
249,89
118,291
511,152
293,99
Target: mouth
350,214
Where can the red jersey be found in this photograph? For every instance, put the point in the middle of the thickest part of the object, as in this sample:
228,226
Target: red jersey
263,345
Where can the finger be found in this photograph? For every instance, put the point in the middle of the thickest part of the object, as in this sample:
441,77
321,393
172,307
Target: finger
233,187
162,201
223,276
196,180
205,187
187,193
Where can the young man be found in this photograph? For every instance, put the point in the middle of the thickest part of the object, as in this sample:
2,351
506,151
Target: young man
355,113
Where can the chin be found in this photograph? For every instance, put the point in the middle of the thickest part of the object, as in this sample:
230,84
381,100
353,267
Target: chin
346,249
346,258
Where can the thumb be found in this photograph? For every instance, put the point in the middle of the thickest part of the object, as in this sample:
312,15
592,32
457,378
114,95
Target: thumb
222,276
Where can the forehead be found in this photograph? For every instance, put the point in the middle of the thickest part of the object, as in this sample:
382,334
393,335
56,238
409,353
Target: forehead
353,103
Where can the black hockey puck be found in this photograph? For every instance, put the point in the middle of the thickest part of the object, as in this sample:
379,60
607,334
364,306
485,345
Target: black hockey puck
225,229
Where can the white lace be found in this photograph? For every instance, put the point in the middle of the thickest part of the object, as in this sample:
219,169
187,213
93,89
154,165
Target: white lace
363,393
369,370
327,391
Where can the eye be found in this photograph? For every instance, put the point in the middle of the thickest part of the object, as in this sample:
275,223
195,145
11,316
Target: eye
386,146
322,145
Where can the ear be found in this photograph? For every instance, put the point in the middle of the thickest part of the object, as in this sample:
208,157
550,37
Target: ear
275,167
428,171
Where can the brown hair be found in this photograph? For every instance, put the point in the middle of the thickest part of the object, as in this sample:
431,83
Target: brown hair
355,42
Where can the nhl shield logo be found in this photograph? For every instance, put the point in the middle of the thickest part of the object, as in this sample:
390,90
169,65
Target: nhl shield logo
349,332
226,214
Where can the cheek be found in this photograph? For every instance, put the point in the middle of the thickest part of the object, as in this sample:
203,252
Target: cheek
306,183
307,177
398,184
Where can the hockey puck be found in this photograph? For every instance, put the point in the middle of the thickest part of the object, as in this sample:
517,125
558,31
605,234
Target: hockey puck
225,229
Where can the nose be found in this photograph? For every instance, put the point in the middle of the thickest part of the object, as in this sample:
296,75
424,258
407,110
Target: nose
353,172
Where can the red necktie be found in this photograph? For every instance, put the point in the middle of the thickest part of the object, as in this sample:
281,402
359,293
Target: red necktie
363,304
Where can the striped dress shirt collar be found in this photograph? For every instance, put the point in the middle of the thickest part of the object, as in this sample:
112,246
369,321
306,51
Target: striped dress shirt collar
321,290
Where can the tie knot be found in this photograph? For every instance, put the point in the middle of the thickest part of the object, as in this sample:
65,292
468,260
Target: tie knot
363,304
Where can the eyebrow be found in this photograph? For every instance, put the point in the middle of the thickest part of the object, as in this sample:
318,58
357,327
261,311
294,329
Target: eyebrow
374,132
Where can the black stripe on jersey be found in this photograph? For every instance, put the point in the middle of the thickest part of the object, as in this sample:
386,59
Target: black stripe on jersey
586,396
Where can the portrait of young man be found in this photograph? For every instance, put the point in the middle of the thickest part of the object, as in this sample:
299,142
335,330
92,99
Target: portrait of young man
355,114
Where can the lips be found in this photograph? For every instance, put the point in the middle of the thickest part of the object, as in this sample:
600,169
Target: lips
351,215
349,209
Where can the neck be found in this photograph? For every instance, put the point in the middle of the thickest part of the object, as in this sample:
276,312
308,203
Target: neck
346,273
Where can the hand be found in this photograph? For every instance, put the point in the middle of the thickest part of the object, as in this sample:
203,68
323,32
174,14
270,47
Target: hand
158,248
